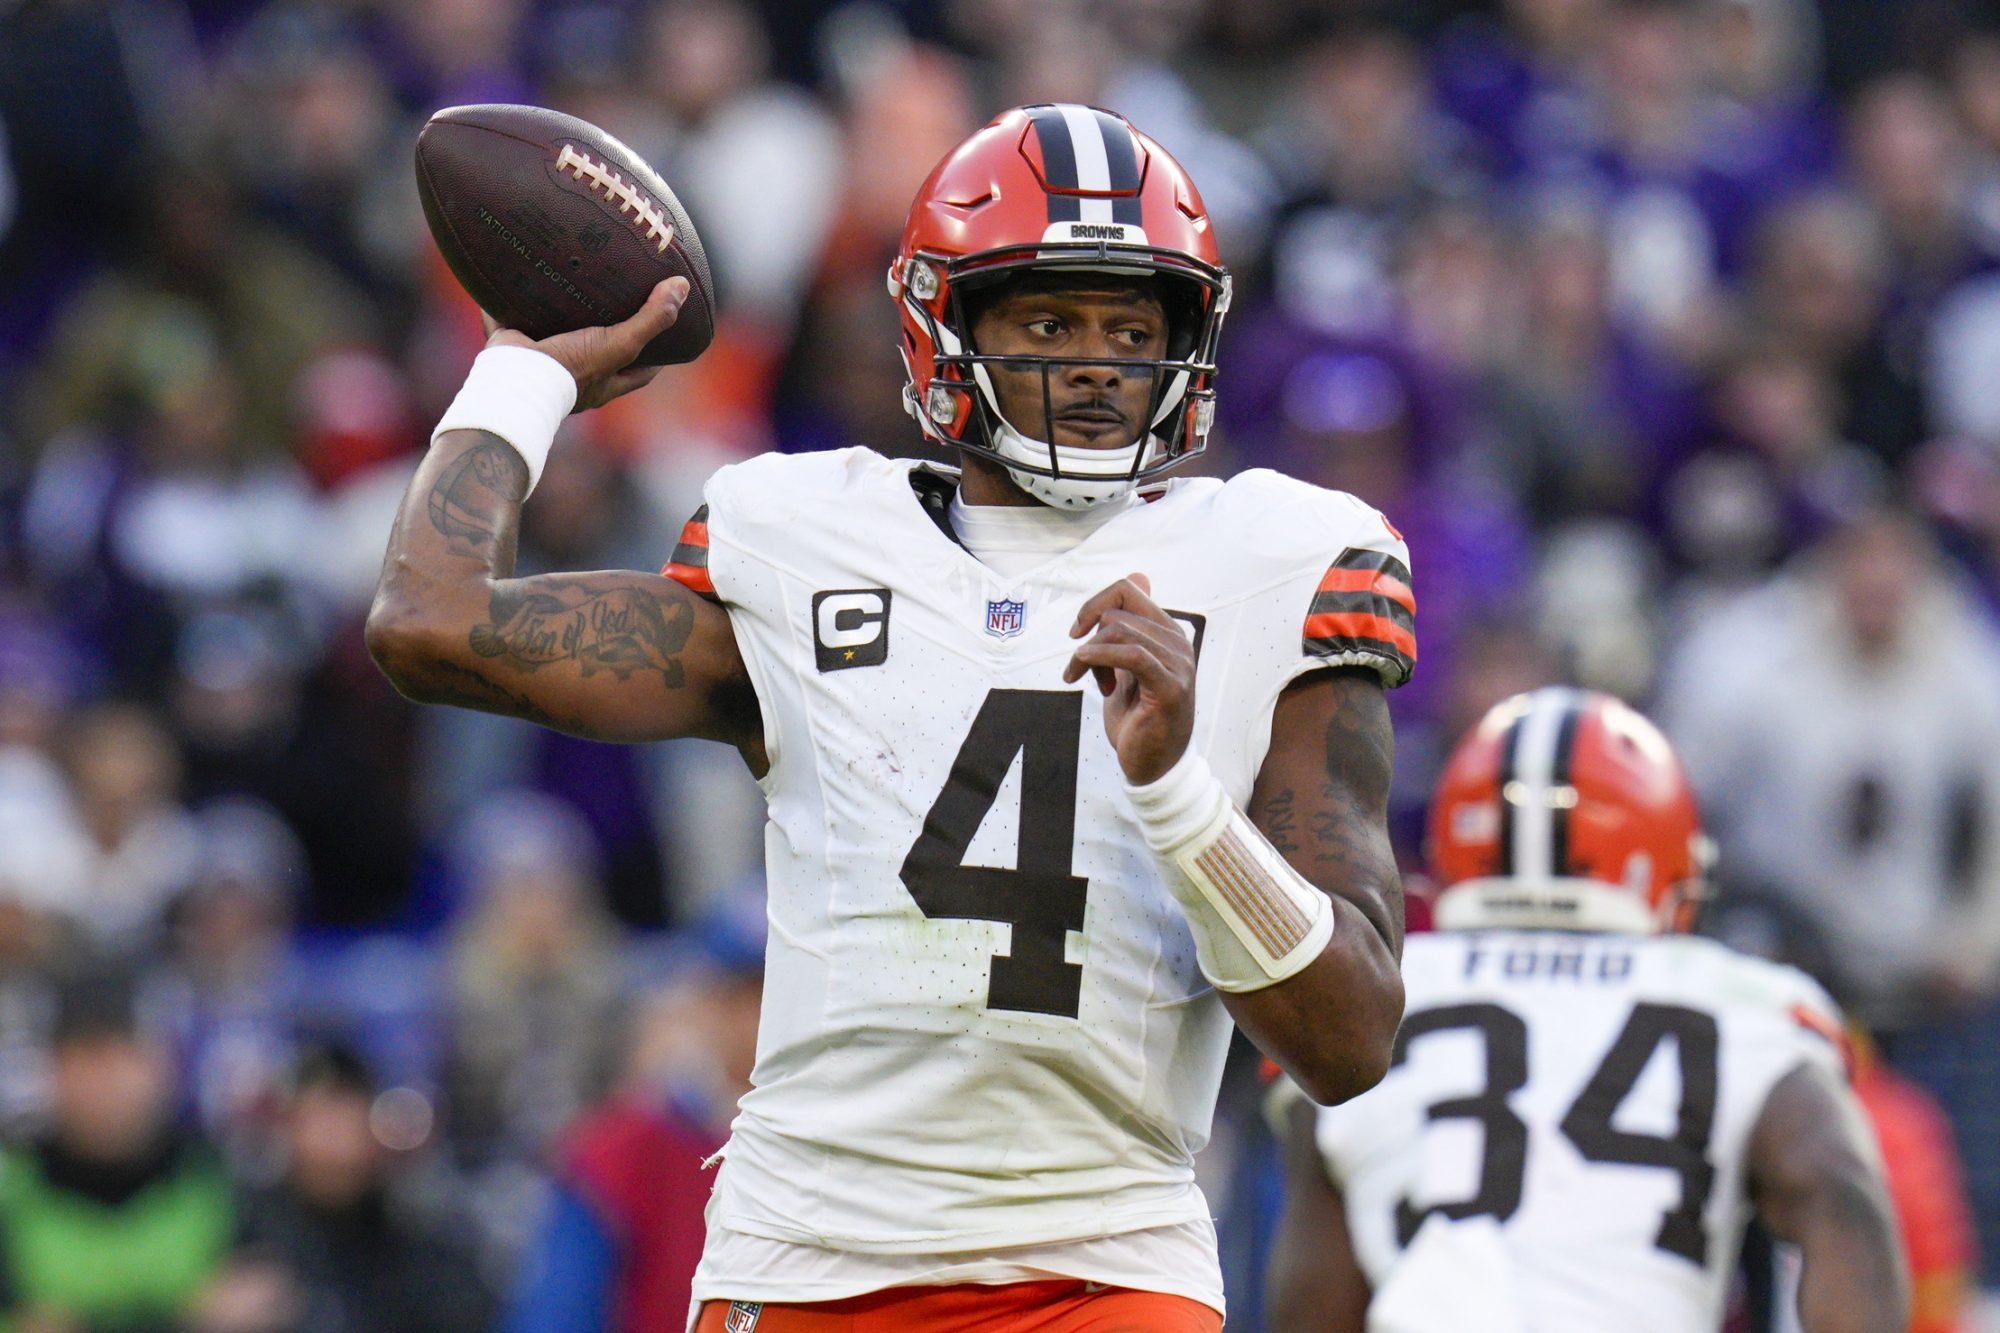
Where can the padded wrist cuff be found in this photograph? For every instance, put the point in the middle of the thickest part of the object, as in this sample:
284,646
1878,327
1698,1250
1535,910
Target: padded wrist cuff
1255,920
518,394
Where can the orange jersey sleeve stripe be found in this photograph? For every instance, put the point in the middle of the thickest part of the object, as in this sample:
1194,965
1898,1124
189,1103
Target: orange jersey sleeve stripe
1823,1025
690,576
1359,625
695,533
1379,582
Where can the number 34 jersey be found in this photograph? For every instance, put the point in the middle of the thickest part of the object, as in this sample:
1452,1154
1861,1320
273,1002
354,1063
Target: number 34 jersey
1561,1138
983,1022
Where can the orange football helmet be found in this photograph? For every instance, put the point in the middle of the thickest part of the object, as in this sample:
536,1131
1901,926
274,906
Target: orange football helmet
1057,187
1566,809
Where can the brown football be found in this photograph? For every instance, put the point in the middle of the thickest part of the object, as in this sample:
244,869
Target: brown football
551,224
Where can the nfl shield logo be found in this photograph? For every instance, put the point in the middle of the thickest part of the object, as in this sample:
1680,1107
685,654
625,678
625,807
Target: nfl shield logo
742,1317
1004,619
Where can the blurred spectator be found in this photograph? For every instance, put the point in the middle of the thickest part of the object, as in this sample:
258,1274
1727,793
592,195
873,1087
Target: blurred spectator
258,715
1360,151
42,678
1842,725
313,133
1914,165
125,772
1820,282
206,282
1762,58
1514,85
44,865
618,1246
1780,477
230,976
113,1218
133,526
1585,415
73,138
456,52
338,1245
535,991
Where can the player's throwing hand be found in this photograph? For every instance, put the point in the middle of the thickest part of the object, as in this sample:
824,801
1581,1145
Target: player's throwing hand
1144,666
601,358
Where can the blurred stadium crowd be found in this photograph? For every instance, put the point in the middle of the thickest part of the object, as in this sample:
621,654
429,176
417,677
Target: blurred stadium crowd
1667,330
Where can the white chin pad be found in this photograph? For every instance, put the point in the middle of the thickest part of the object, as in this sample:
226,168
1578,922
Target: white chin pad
1089,476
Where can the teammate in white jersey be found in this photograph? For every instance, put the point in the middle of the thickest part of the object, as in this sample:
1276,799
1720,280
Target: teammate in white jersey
1585,1105
1068,763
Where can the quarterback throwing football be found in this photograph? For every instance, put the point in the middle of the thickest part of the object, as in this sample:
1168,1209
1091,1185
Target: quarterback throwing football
1068,764
1586,1104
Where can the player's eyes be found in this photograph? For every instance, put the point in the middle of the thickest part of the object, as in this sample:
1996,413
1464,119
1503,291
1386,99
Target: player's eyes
1047,328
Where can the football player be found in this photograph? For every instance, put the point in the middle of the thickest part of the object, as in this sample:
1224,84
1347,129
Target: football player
1585,1104
1068,762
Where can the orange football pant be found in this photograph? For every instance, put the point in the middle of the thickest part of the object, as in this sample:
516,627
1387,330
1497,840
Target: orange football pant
1013,1307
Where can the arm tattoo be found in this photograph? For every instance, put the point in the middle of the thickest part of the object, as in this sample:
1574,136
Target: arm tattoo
1280,822
598,624
1349,830
469,504
469,689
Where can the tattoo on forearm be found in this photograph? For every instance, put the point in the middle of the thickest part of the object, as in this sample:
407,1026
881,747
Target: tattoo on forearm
1280,821
600,627
469,505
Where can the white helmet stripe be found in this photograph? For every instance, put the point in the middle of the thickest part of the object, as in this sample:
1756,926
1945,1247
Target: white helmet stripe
1170,399
1086,139
1528,797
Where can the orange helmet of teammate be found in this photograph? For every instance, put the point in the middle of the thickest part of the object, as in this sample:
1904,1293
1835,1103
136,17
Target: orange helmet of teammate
1058,187
1566,809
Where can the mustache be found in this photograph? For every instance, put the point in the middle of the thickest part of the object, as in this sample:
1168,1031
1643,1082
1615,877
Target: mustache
1095,405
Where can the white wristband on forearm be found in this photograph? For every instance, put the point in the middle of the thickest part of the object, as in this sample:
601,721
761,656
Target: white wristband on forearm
1256,920
518,394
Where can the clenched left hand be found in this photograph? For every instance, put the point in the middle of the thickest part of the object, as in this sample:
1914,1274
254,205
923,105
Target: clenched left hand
1144,666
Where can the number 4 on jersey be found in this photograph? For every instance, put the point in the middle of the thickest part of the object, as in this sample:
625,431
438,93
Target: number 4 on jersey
1039,898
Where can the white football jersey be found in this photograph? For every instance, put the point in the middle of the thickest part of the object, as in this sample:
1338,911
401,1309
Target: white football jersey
983,1022
1567,1114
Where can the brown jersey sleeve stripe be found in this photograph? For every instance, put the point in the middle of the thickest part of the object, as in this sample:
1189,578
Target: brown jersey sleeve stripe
693,548
1362,603
1357,557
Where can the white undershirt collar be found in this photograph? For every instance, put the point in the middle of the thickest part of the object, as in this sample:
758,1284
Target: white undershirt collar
1013,539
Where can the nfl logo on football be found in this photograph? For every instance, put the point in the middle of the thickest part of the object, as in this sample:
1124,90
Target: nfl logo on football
1004,619
743,1316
